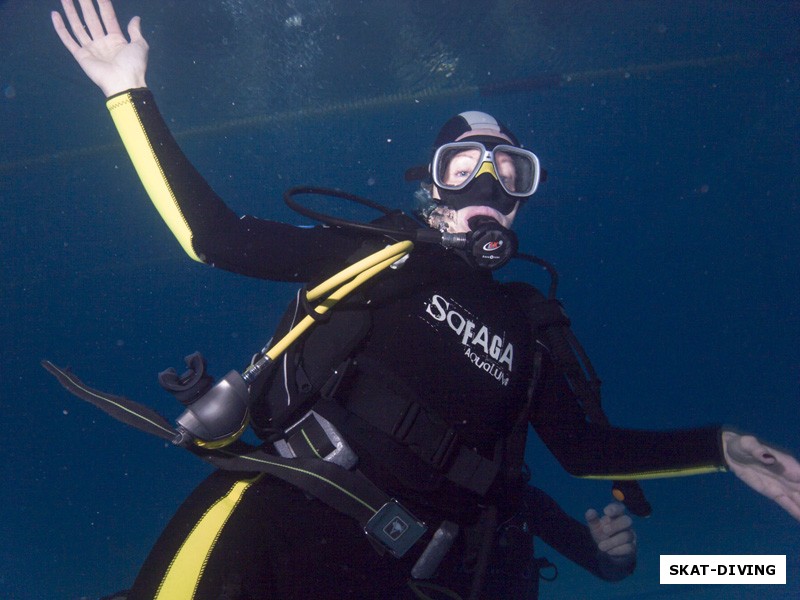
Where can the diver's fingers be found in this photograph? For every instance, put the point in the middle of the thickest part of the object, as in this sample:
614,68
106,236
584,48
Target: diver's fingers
619,538
66,38
595,525
753,447
135,30
613,532
790,503
617,524
621,544
91,19
75,24
614,510
109,16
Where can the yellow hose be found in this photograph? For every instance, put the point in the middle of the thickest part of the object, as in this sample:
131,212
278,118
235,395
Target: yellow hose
338,287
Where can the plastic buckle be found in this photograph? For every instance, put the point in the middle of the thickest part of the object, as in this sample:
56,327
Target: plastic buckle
315,436
395,529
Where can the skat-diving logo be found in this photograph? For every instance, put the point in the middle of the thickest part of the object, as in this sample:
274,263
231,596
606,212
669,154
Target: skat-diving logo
484,349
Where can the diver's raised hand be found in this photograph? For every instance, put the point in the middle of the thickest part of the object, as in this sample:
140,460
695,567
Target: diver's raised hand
767,470
101,49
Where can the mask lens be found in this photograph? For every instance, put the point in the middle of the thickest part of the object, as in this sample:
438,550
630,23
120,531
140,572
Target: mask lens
455,165
517,170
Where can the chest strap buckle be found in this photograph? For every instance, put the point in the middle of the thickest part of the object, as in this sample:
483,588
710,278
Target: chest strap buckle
395,529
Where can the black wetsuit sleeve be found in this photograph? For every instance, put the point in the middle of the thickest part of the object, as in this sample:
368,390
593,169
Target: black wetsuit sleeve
206,228
570,537
594,451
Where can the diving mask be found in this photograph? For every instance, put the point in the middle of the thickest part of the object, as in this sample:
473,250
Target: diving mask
457,164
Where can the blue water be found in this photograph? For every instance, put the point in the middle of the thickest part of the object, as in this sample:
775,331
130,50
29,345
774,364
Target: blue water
671,211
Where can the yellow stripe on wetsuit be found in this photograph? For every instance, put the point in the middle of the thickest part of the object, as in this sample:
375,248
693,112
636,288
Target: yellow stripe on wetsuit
186,568
660,474
137,143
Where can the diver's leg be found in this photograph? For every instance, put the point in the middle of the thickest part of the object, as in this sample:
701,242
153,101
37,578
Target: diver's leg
252,538
315,551
186,555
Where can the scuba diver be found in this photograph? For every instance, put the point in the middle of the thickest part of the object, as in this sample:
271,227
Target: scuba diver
352,421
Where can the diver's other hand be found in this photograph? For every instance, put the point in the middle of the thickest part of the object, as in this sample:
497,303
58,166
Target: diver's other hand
613,532
767,470
101,49
616,541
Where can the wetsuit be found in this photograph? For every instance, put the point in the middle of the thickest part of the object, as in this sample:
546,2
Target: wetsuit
450,336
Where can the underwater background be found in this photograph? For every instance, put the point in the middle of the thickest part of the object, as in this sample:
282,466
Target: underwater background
670,132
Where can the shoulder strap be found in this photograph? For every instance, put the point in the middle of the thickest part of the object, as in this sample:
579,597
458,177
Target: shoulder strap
550,322
551,325
289,390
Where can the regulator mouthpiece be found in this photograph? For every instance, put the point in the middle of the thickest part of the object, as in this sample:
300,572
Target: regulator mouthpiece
489,244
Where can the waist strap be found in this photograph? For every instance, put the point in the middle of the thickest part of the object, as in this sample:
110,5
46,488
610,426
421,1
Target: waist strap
349,492
399,417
